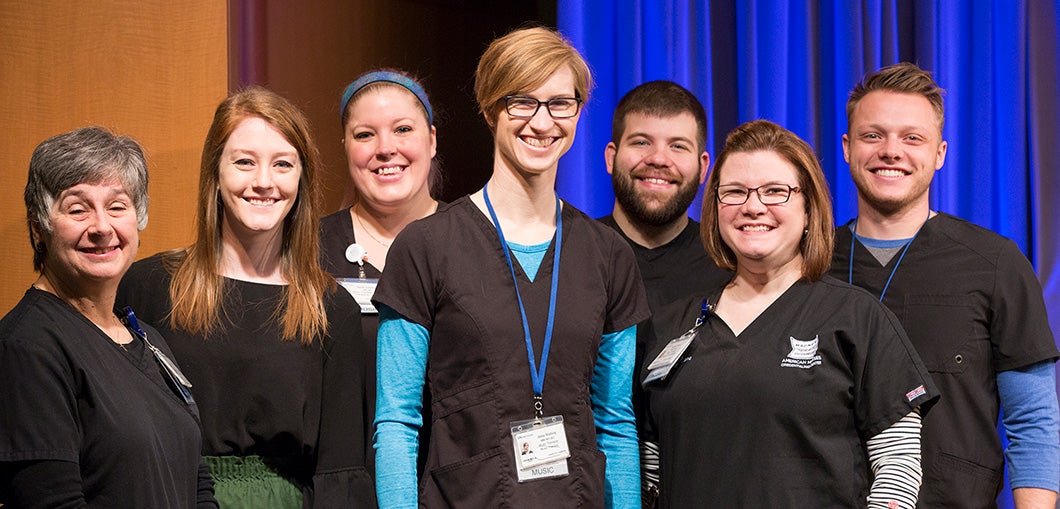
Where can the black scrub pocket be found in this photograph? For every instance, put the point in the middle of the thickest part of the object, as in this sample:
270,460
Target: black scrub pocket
464,424
941,328
977,482
592,481
464,459
340,488
473,482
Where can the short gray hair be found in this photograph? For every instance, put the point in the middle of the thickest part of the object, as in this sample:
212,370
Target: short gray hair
90,155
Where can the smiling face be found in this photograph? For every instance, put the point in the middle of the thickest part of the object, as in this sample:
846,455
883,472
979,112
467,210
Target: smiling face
763,237
534,145
94,236
258,178
389,146
656,168
894,147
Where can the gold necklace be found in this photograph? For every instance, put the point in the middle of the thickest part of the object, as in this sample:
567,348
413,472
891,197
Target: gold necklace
373,237
118,334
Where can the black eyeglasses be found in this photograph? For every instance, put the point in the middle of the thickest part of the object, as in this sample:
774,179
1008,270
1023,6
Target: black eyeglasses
521,106
769,194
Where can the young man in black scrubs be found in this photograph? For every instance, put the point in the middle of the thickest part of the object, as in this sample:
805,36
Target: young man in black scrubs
967,297
657,161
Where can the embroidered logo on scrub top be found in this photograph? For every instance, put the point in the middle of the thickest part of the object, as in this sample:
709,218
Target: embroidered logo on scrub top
803,354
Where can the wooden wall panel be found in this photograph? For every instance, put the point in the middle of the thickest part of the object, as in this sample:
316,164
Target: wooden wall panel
151,69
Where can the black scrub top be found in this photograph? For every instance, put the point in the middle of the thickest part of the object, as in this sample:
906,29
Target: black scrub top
972,306
676,269
447,272
336,234
779,415
69,393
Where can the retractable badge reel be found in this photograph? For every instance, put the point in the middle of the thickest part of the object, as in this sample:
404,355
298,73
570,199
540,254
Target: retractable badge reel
361,288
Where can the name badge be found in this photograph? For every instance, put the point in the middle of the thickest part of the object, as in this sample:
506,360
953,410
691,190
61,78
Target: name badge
539,441
540,447
362,290
660,368
176,378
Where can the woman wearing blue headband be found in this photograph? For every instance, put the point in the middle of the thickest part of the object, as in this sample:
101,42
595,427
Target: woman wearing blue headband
389,138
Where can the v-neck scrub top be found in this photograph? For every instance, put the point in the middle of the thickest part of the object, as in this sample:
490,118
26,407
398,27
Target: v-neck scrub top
69,393
447,273
336,234
972,306
778,416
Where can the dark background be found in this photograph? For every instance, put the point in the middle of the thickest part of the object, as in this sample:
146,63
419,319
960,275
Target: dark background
309,53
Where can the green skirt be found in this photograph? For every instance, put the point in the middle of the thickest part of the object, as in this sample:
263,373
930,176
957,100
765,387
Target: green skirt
246,482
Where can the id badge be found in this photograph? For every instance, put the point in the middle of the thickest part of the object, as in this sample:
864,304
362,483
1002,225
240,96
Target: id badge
362,290
660,368
176,378
539,442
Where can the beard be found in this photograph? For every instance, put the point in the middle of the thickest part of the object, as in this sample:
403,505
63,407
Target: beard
645,207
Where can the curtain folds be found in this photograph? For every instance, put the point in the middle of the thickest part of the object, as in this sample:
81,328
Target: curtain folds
794,61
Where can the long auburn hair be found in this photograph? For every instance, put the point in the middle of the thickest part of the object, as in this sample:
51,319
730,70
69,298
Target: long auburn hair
197,288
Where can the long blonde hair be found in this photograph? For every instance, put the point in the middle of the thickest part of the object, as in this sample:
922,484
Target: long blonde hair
197,289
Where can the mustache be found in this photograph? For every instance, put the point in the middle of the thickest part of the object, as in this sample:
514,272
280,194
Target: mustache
662,173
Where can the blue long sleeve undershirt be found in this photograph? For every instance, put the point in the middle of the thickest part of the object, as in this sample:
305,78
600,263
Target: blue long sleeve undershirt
401,370
1032,425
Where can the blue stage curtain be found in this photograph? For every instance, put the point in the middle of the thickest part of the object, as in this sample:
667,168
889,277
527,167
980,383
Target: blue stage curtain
794,61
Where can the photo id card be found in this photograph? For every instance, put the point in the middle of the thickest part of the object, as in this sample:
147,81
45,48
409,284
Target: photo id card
539,441
664,362
362,290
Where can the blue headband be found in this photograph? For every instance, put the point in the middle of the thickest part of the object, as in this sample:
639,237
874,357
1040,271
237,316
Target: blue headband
392,77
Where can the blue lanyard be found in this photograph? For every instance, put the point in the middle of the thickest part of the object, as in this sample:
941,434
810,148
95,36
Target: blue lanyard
180,382
706,308
850,266
537,374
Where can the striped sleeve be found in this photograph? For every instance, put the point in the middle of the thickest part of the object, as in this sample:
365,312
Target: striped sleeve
894,456
649,473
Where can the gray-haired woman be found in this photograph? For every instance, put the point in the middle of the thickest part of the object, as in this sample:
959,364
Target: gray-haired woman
94,411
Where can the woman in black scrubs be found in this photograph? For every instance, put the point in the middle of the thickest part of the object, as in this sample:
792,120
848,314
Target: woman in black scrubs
390,142
94,411
784,388
479,298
